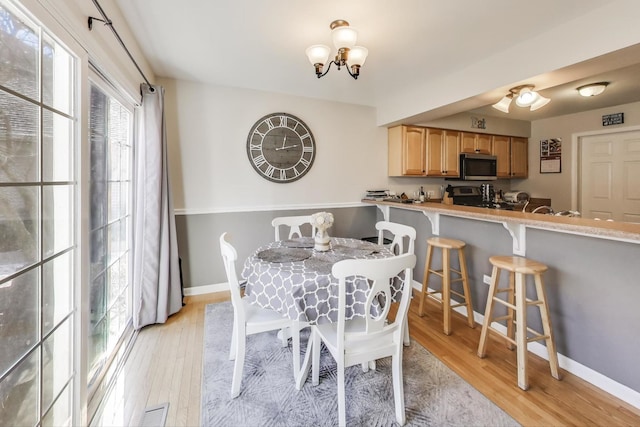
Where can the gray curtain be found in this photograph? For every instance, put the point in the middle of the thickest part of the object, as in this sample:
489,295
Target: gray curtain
157,291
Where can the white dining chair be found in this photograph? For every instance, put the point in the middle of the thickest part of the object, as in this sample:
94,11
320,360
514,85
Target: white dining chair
400,233
294,223
248,319
362,339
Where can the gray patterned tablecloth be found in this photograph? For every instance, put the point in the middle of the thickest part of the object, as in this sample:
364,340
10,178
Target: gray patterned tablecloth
302,288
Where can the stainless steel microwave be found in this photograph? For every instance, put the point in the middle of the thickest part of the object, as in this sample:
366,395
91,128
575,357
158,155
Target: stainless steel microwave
478,167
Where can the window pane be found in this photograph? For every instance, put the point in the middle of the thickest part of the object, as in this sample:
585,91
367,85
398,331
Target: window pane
19,318
57,76
98,252
60,414
19,393
19,214
57,155
113,233
19,125
114,201
58,219
56,363
57,291
20,54
97,349
98,298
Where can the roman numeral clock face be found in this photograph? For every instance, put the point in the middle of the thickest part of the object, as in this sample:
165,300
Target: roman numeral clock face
281,147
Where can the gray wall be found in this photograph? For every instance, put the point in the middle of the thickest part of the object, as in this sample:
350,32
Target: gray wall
198,237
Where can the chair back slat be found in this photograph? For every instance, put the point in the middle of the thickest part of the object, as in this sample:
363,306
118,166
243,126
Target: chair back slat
294,223
380,273
229,257
400,233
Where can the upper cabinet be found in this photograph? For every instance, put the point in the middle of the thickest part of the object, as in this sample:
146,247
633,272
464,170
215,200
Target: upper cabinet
519,157
422,151
407,151
512,156
443,152
475,143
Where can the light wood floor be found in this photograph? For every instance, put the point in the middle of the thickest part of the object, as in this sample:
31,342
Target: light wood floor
165,365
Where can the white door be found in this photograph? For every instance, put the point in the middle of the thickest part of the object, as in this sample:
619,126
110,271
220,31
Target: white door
610,176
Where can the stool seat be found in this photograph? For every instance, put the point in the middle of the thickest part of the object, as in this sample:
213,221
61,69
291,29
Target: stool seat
444,298
518,332
518,264
444,243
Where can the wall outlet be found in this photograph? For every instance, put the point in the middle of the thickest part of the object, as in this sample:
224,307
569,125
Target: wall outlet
486,279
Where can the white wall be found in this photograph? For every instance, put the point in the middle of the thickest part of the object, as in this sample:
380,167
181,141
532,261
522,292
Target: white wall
557,186
596,32
207,128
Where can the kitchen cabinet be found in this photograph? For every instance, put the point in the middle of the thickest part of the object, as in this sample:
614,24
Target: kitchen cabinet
407,151
443,152
475,143
512,156
519,157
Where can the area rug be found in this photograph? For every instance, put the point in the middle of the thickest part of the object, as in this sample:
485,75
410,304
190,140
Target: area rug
434,394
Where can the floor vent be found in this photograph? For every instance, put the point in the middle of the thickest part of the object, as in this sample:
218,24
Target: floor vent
155,416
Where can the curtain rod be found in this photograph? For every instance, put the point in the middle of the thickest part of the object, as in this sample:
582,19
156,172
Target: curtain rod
109,23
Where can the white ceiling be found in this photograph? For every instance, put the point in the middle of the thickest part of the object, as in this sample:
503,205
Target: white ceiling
260,44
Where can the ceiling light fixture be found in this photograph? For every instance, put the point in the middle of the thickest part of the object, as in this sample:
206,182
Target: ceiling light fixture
525,97
592,89
344,39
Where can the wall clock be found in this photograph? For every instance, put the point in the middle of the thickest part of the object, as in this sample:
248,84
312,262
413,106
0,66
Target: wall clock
281,147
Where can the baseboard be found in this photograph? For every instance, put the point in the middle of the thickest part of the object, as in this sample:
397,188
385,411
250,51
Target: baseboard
206,289
604,383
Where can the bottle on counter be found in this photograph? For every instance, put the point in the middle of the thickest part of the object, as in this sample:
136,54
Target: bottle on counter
422,195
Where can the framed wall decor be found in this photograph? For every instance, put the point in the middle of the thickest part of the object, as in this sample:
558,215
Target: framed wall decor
551,155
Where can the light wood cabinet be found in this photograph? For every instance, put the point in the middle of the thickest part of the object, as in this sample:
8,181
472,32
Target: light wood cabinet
501,148
407,151
422,151
443,152
519,157
512,156
475,143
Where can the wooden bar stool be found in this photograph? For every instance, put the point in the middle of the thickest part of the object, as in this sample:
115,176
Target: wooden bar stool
517,301
445,292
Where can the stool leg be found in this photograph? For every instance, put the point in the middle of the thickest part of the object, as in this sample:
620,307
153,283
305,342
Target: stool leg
446,290
488,312
425,280
512,301
546,327
465,288
521,330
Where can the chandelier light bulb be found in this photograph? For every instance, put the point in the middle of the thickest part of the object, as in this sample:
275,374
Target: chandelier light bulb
526,97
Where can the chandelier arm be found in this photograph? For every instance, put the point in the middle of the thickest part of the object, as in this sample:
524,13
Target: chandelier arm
326,71
355,76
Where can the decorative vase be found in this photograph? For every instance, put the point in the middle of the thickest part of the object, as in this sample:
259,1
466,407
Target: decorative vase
322,240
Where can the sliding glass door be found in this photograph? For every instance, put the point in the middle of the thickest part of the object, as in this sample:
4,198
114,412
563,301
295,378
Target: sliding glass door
110,135
38,209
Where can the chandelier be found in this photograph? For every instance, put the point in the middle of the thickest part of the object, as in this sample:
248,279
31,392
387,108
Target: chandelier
349,55
525,97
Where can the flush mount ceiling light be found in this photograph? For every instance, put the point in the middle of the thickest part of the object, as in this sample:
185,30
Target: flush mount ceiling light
525,97
349,55
592,89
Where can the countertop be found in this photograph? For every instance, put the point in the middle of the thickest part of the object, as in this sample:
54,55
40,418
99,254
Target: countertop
605,229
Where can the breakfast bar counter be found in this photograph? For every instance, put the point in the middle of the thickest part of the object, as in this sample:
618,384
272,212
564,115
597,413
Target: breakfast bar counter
593,280
515,221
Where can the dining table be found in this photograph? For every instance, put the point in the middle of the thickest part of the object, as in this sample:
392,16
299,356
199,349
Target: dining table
293,278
